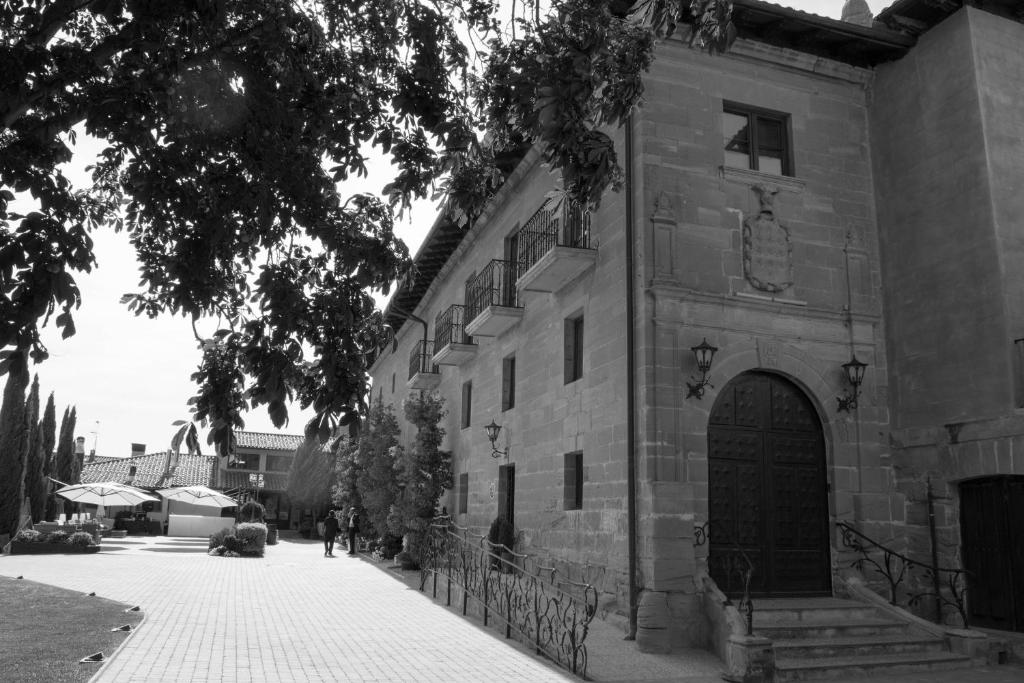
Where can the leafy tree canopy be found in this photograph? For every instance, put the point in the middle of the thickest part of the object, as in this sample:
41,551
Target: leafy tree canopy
228,126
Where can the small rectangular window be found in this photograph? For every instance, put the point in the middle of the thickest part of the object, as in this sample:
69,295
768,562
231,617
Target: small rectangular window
508,383
467,404
464,493
573,349
573,482
392,382
244,461
279,463
757,139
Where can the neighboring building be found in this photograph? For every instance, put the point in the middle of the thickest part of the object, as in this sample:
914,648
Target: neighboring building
258,469
824,191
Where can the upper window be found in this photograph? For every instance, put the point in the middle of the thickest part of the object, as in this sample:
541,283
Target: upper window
467,404
245,461
573,349
573,481
464,493
757,139
508,383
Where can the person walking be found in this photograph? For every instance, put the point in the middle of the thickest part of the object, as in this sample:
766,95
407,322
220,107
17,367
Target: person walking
353,529
330,531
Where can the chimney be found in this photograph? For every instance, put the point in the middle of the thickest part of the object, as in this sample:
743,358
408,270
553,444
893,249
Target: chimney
131,474
857,12
138,449
80,446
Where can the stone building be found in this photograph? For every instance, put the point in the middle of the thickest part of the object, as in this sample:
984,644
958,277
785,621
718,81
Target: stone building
826,193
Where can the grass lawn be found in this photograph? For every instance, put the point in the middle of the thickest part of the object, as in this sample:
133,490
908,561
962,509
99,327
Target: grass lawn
45,631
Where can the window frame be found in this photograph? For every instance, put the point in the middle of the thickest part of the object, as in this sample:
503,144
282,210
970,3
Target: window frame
467,404
572,481
753,114
573,348
508,382
464,493
244,462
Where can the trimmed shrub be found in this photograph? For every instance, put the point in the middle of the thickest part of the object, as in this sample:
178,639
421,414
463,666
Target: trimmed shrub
217,538
59,536
252,511
232,544
30,536
253,537
78,538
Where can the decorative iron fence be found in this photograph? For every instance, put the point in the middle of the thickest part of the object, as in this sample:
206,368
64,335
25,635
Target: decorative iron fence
734,565
567,225
420,358
550,613
909,579
450,327
495,285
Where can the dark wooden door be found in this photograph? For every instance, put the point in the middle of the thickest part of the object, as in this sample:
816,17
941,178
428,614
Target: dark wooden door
768,501
992,532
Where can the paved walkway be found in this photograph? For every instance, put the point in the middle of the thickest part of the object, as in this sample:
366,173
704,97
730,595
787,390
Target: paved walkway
295,615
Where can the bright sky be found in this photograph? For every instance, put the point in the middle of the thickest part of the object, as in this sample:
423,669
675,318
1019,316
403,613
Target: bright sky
129,376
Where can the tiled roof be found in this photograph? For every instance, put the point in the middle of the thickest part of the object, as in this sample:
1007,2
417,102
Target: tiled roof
267,442
151,470
240,480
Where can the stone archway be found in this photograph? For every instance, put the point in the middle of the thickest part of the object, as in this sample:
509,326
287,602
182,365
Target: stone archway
767,489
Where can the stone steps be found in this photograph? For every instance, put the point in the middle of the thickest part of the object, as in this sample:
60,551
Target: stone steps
827,638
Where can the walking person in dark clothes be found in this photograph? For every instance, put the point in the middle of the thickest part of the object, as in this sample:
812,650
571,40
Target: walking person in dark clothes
353,529
330,531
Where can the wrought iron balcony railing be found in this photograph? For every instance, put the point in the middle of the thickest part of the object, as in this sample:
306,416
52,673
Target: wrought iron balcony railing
548,612
420,358
909,580
567,225
495,285
450,327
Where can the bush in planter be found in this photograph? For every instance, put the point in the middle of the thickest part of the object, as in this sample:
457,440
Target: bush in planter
252,511
78,538
57,536
30,536
217,538
253,537
232,544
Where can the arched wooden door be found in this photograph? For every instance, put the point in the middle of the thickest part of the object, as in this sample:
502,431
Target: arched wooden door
768,498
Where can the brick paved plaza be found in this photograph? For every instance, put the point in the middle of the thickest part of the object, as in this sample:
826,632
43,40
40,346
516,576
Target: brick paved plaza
292,616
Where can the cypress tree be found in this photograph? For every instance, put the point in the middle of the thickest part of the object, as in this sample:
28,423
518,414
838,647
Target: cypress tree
48,438
62,457
76,458
13,444
35,484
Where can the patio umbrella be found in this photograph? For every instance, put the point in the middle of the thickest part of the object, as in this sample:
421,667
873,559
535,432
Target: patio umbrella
105,493
198,495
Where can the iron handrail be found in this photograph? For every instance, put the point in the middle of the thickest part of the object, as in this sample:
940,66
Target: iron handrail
731,566
550,613
895,567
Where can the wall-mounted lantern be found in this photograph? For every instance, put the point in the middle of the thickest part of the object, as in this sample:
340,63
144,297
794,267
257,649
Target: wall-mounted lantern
704,353
854,371
493,430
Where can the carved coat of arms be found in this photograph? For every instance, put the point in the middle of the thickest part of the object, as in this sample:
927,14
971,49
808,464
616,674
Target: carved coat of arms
767,252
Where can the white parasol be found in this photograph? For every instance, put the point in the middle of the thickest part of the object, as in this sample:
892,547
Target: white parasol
198,495
106,493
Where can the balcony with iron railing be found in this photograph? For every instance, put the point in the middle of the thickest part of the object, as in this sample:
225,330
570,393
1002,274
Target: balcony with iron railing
492,303
452,346
423,373
553,248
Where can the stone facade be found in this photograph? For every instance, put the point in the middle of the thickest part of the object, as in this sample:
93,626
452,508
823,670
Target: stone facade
851,254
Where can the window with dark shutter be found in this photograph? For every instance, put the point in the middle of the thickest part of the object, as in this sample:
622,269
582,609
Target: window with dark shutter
573,481
508,383
467,403
573,349
464,493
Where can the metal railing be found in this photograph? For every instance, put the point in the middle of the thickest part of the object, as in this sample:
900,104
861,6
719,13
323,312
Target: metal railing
549,613
736,564
907,578
450,327
565,225
420,358
495,285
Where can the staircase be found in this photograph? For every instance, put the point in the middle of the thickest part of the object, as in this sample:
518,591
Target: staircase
827,638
